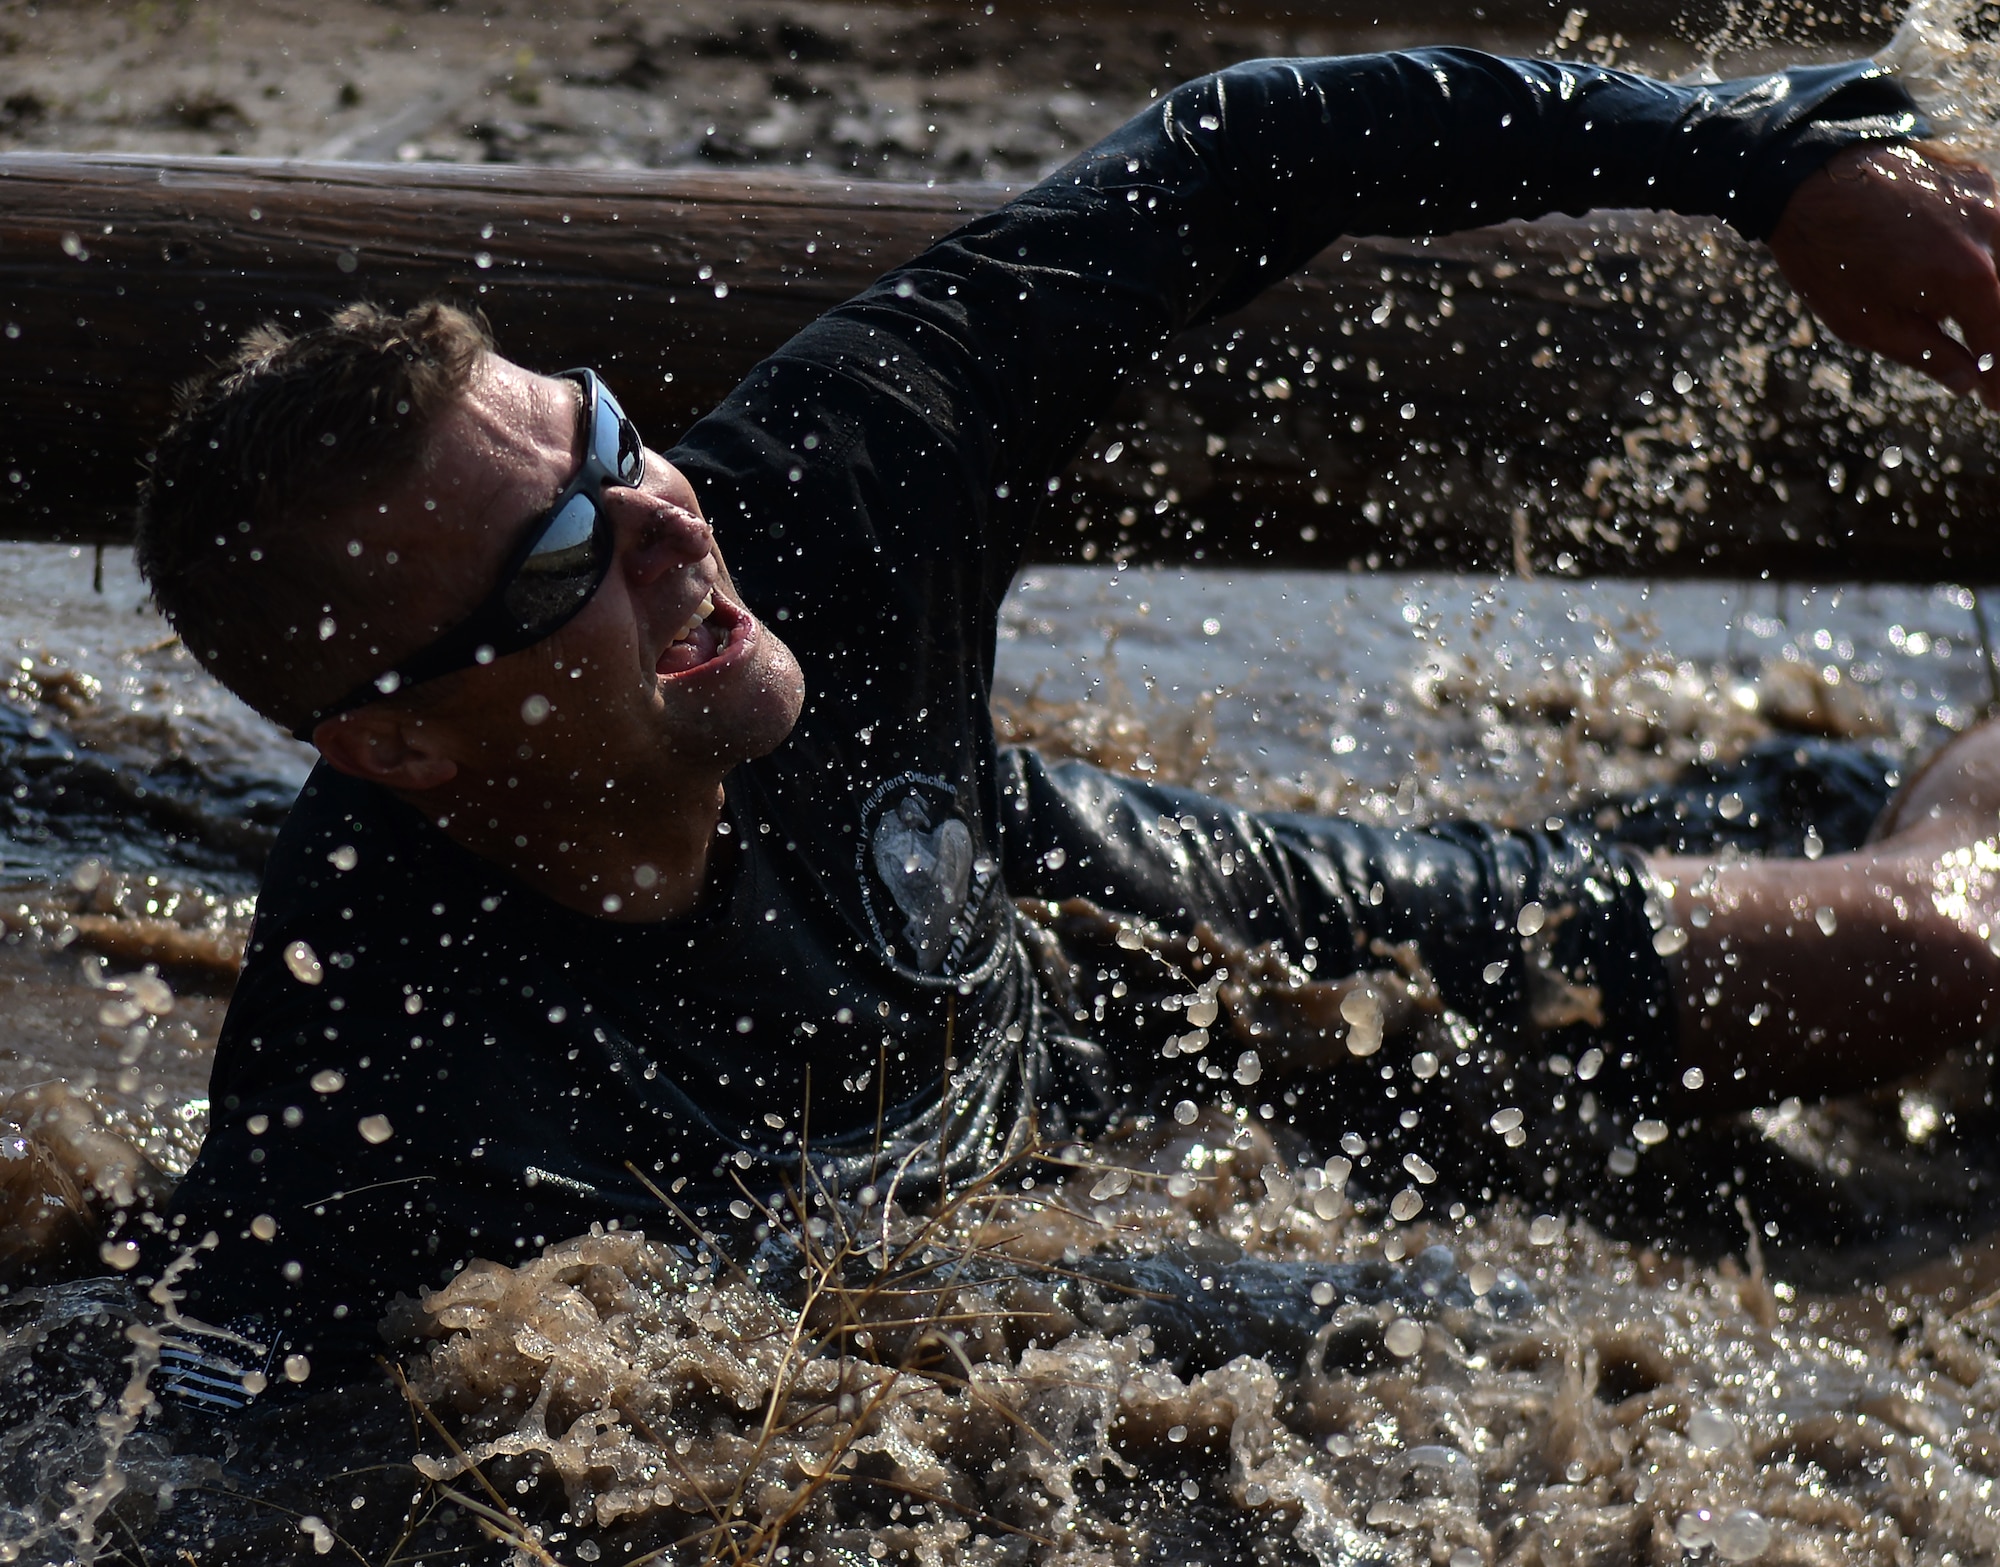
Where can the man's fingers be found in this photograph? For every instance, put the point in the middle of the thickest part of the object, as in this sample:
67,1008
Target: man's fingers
1975,305
1968,292
1889,245
1920,343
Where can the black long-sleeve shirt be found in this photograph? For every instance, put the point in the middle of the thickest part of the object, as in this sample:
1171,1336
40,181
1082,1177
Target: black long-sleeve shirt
427,1061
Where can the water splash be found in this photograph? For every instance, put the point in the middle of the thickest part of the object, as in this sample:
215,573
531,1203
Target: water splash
1948,53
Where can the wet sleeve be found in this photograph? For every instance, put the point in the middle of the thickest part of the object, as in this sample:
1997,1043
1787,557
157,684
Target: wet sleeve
1006,341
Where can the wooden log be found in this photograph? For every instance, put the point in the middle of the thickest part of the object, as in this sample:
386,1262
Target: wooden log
1625,394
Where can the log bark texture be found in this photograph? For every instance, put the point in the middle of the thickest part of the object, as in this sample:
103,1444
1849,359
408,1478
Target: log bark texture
1628,393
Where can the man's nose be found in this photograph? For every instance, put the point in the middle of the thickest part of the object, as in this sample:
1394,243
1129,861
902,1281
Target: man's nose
656,535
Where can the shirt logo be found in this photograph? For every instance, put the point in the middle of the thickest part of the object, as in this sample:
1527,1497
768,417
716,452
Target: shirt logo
924,859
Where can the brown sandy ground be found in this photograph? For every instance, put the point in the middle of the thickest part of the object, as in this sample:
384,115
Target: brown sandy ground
956,91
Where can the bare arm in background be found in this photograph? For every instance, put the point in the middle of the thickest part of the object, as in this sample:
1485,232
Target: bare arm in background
1813,977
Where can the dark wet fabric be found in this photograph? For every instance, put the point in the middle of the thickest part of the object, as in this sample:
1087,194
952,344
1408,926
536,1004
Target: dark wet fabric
1342,897
426,1061
1767,801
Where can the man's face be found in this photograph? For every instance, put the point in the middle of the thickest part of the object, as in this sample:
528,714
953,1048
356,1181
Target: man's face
663,678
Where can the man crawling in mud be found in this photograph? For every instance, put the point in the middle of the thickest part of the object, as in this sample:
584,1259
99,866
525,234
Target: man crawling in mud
633,884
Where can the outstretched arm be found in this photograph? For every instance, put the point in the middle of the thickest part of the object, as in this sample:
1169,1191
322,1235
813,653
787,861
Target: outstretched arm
1893,247
898,452
1015,332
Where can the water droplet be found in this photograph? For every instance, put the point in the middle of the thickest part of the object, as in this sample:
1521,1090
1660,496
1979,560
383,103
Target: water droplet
1546,1230
1404,1338
1406,1205
1531,918
1710,1430
1113,1183
344,858
1361,1008
1742,1536
304,964
1826,920
376,1129
1647,1133
328,1081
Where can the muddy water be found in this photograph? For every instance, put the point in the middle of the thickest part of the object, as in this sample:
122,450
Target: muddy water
1197,1343
137,801
1189,1345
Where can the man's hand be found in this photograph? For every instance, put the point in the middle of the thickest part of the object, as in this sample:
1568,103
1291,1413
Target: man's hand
1888,245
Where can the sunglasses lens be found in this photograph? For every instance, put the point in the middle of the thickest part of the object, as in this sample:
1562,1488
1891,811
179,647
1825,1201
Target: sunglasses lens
619,452
562,570
631,452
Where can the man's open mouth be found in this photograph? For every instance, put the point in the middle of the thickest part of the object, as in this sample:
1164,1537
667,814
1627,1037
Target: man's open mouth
705,637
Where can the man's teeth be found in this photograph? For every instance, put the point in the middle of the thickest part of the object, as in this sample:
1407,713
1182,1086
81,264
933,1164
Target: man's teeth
701,612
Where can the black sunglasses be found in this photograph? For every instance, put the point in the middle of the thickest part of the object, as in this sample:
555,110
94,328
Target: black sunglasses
563,556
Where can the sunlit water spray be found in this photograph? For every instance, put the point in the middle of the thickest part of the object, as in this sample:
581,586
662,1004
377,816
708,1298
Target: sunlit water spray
1949,55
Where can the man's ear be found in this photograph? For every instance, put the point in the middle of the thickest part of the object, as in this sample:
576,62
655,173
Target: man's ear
382,746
